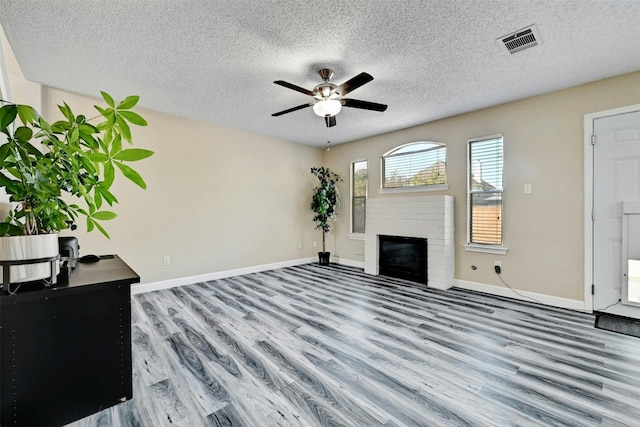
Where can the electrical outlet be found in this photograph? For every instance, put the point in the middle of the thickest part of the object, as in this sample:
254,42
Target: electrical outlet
299,245
497,267
315,244
166,261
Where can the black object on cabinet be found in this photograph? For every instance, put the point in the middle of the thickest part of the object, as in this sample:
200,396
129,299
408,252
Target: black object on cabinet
66,351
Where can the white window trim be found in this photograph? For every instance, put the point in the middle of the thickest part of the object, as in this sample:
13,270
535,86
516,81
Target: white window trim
476,247
352,235
487,249
414,188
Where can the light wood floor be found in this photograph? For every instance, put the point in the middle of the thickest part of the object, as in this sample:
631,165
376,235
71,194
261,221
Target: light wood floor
331,346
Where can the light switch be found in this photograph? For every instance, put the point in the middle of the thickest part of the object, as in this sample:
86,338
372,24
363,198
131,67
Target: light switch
527,189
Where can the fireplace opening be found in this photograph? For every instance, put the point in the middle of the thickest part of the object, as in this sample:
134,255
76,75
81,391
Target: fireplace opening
403,258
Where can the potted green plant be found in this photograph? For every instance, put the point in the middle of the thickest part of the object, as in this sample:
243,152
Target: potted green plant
325,201
56,172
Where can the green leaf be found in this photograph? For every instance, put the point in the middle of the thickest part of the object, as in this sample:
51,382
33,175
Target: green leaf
31,149
128,102
133,154
8,114
5,151
4,228
104,215
116,145
89,140
134,118
90,225
109,175
132,175
74,136
8,229
9,184
98,157
17,175
44,125
124,128
107,196
23,133
97,198
109,114
66,111
108,99
60,126
104,143
102,230
27,114
87,129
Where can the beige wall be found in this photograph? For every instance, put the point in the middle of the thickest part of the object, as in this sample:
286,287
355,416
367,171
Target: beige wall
543,146
217,199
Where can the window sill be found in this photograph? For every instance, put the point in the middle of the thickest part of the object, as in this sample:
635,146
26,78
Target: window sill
356,236
414,189
487,249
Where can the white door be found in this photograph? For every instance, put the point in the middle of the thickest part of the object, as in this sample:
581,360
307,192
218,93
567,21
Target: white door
616,178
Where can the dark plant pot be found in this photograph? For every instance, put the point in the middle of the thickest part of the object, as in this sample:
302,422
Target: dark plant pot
323,258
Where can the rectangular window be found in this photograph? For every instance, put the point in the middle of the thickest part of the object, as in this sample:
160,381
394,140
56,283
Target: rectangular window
484,190
358,196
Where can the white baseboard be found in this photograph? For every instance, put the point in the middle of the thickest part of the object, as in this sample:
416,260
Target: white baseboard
181,281
524,295
463,284
437,285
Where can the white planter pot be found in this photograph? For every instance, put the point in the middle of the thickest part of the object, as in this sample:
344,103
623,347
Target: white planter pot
21,248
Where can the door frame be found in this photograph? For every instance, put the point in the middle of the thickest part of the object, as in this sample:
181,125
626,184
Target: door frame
588,195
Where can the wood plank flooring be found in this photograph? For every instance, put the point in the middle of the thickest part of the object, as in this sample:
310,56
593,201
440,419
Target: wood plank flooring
331,346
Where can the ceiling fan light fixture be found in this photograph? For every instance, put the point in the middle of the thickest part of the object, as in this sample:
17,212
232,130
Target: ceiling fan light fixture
328,98
327,107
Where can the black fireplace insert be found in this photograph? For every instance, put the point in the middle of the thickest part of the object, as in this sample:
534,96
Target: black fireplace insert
403,258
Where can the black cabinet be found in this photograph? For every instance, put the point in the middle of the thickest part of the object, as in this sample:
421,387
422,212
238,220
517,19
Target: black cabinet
65,351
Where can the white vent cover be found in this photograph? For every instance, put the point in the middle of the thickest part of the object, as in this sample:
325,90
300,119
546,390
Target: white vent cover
521,39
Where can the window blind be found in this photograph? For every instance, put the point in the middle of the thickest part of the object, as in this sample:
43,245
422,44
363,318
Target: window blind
485,191
415,164
358,196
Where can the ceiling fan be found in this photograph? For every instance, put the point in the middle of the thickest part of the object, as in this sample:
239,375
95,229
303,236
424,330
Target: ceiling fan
329,97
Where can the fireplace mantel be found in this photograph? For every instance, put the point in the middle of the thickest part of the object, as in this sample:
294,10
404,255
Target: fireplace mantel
429,217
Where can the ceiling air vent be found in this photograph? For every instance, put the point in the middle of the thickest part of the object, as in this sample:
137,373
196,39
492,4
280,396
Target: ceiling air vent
521,39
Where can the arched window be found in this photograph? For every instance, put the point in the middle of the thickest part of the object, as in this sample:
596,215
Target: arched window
418,164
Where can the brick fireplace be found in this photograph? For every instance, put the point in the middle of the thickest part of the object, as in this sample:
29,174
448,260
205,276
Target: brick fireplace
429,217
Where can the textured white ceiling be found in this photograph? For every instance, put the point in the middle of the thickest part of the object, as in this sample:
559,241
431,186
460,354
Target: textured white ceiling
216,60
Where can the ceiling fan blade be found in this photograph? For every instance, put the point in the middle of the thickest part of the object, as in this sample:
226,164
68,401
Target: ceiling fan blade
365,105
353,84
330,121
299,107
294,87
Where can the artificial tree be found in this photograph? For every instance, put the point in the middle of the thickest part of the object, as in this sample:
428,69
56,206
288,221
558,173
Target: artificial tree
325,201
